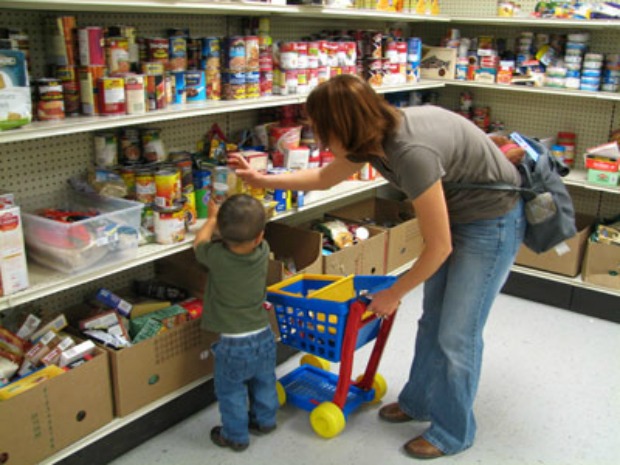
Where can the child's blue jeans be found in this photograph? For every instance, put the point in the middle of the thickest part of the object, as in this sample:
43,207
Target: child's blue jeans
245,383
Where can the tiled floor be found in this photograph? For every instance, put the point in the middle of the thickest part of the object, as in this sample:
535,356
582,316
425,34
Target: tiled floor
549,394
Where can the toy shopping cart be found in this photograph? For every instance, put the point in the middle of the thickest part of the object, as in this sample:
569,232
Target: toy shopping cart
325,316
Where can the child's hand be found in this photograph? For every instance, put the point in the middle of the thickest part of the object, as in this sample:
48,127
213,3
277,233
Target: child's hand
212,209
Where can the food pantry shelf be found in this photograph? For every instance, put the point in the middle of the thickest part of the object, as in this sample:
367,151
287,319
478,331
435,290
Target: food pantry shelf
45,282
79,124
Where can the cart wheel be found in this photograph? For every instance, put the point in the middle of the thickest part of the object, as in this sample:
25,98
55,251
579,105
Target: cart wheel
281,393
315,361
327,420
379,385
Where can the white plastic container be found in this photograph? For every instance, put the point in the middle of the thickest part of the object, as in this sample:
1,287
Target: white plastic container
111,235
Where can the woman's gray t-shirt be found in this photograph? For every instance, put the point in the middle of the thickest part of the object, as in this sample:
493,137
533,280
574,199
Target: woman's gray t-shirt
432,144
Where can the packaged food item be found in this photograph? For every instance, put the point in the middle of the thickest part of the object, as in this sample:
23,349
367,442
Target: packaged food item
15,98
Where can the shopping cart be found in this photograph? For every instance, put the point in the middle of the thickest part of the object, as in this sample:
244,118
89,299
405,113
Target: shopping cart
325,316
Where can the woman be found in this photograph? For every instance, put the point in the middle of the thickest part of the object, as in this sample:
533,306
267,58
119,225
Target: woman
471,238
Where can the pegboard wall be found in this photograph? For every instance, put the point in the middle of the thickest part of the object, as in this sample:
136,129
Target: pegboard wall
478,7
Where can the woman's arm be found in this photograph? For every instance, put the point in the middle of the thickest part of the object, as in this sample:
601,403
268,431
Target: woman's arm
432,214
322,178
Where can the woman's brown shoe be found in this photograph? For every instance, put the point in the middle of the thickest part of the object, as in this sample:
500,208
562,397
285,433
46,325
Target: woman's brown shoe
393,414
420,448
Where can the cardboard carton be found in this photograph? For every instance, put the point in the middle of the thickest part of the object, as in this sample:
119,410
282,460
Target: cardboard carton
404,240
569,263
601,265
56,413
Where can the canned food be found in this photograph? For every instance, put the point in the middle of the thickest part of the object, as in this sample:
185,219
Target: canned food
106,149
145,186
195,88
152,145
130,146
128,175
178,54
235,54
50,99
211,47
158,50
117,54
178,86
112,95
169,224
252,53
166,187
70,88
155,92
135,94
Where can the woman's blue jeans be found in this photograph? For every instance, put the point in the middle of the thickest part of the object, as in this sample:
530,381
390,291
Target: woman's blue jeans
245,383
444,375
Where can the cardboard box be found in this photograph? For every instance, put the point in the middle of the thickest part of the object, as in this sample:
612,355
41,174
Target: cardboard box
293,244
404,240
568,264
601,265
49,417
437,63
159,366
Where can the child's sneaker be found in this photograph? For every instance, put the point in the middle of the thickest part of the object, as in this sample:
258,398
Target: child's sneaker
255,428
217,438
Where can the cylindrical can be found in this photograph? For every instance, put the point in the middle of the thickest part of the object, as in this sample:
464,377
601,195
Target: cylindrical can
152,145
169,224
374,69
106,149
252,89
202,191
112,95
214,85
153,67
158,50
235,58
155,92
50,99
145,186
178,54
211,47
289,55
233,85
194,53
135,94
166,183
189,205
130,146
89,77
252,53
91,46
183,161
117,54
128,175
71,89
265,82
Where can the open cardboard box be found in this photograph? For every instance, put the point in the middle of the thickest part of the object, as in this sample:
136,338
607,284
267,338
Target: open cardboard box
601,265
404,240
56,413
569,263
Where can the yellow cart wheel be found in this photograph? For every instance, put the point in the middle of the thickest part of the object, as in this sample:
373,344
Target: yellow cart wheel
281,393
379,384
315,361
327,420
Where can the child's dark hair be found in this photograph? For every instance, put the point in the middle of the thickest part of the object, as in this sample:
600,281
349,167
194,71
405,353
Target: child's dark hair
241,218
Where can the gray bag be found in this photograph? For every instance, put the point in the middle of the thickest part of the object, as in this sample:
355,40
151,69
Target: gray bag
548,205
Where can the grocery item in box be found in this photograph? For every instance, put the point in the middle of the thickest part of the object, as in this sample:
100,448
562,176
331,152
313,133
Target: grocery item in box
15,100
13,266
30,381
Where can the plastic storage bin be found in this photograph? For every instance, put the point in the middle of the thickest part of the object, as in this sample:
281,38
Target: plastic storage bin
71,247
312,311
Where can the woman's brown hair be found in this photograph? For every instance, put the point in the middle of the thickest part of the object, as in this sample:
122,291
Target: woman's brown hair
347,108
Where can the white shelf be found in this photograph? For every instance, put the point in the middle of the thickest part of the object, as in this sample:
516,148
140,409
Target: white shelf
44,281
538,22
78,124
578,178
536,90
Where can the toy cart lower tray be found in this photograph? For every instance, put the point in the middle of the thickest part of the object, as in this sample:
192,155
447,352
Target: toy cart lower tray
308,386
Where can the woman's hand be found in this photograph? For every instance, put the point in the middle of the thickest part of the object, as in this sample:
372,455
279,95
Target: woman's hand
384,303
243,169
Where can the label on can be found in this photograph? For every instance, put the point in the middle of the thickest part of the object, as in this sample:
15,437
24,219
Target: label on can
169,224
195,89
135,94
106,149
112,95
117,53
